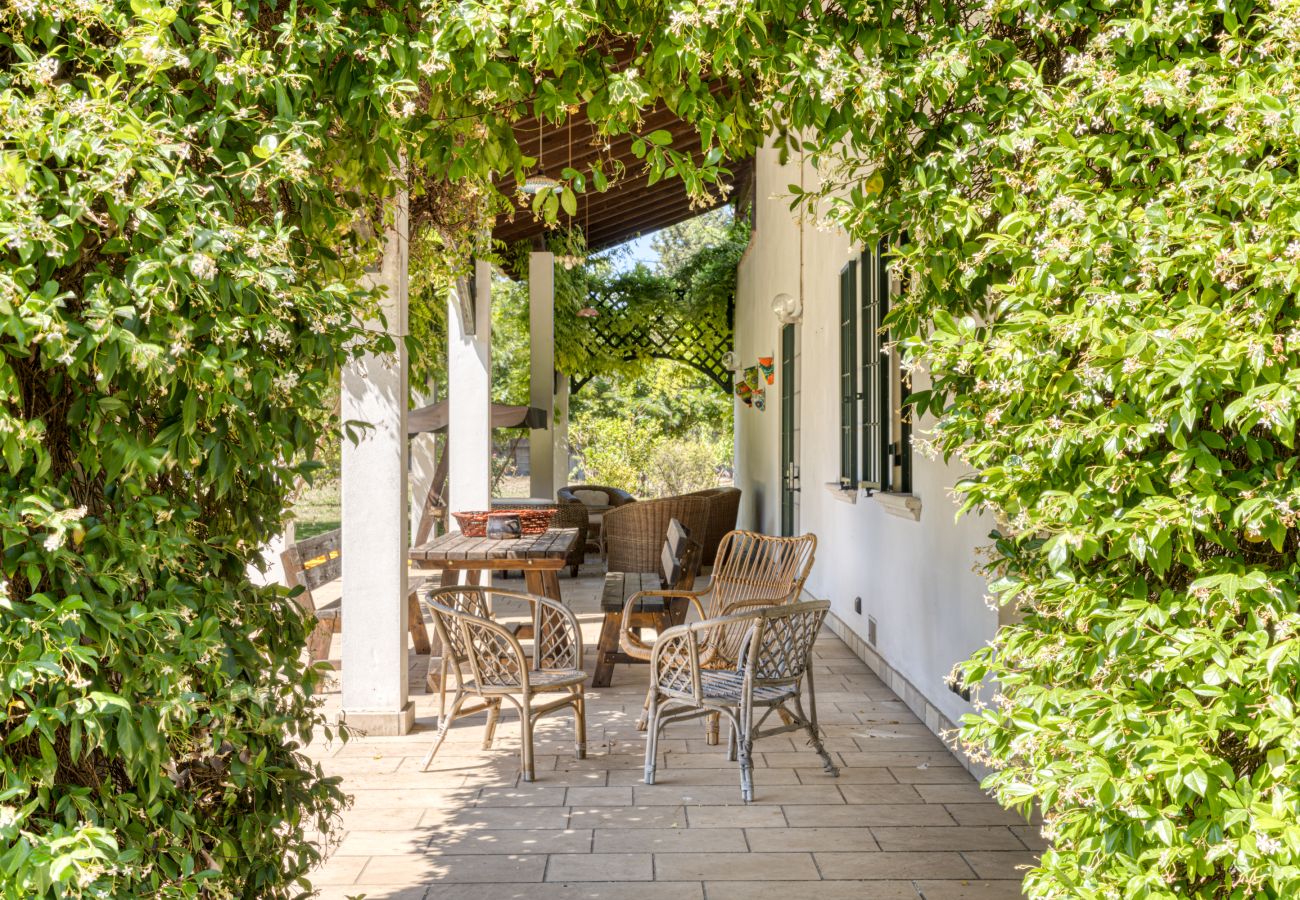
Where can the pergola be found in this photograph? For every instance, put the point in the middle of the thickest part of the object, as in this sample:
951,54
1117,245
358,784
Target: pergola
375,491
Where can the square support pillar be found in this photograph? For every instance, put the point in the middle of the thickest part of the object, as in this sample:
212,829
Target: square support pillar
374,500
541,372
469,398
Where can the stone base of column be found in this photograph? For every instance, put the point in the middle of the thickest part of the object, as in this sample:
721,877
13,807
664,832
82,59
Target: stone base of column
380,724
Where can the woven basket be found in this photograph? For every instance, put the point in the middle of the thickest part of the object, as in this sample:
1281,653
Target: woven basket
531,521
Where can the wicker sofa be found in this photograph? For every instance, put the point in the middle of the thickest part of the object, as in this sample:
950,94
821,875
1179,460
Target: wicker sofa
724,508
634,532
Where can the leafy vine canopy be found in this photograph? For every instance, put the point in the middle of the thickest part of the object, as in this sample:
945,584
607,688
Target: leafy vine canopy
191,192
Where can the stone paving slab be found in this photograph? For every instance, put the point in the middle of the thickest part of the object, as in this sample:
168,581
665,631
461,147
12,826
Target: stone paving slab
903,821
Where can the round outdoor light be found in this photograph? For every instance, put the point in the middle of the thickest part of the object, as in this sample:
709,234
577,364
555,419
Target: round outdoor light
787,308
730,361
535,184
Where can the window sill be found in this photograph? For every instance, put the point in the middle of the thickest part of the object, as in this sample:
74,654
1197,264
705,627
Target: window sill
905,506
842,494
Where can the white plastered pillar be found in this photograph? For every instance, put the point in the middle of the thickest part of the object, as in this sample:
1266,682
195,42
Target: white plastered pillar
561,433
374,505
541,373
469,398
423,463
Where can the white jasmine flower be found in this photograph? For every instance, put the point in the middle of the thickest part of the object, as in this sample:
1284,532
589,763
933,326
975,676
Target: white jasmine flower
203,267
46,69
1267,845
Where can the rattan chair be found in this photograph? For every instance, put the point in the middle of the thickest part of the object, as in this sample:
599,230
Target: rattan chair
775,659
752,570
589,495
491,665
573,514
634,533
724,508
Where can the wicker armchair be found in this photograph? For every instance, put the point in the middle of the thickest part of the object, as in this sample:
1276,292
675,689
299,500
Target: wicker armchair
634,533
598,496
613,496
491,665
724,508
573,514
775,657
752,571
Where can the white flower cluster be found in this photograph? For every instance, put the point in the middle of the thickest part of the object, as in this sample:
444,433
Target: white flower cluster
203,267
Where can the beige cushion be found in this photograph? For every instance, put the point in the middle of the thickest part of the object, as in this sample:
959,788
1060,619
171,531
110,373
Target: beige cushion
591,498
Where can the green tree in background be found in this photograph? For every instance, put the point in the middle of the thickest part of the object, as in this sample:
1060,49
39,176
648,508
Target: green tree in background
658,427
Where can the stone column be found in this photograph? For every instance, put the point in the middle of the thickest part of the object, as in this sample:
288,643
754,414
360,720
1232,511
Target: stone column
469,397
374,499
541,372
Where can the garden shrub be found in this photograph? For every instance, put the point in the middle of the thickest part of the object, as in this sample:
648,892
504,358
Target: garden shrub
1101,210
176,293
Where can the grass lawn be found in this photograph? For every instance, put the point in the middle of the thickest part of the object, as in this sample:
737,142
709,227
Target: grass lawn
317,509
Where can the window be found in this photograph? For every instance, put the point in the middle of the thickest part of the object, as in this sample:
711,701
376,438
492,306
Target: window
886,432
849,396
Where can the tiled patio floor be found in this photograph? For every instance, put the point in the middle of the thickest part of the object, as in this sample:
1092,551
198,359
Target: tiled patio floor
903,820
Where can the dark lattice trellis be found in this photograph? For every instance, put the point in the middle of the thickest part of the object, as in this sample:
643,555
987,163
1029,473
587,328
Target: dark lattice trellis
671,330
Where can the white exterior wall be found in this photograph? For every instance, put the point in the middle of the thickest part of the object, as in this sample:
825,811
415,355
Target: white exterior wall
916,577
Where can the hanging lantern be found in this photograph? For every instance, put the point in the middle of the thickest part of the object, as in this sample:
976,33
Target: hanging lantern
535,184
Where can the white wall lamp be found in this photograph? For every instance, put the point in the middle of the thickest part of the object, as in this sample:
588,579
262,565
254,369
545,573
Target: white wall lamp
787,309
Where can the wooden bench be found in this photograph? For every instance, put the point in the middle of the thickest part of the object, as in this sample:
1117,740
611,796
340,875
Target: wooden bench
679,564
317,561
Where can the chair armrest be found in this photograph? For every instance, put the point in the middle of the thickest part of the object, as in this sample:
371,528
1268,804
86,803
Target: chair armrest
742,606
629,640
680,653
556,634
675,662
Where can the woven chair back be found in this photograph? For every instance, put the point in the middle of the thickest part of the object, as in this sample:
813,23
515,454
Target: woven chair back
724,508
475,644
634,533
753,566
781,642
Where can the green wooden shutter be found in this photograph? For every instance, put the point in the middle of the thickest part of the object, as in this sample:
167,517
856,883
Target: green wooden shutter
848,375
875,383
902,451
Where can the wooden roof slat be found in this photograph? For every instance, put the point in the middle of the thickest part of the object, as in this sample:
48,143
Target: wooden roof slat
628,207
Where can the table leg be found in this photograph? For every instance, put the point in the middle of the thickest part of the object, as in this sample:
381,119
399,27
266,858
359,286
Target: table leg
535,582
606,649
450,577
551,584
415,623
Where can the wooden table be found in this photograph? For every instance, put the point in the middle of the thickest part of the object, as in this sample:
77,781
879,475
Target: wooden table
539,556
